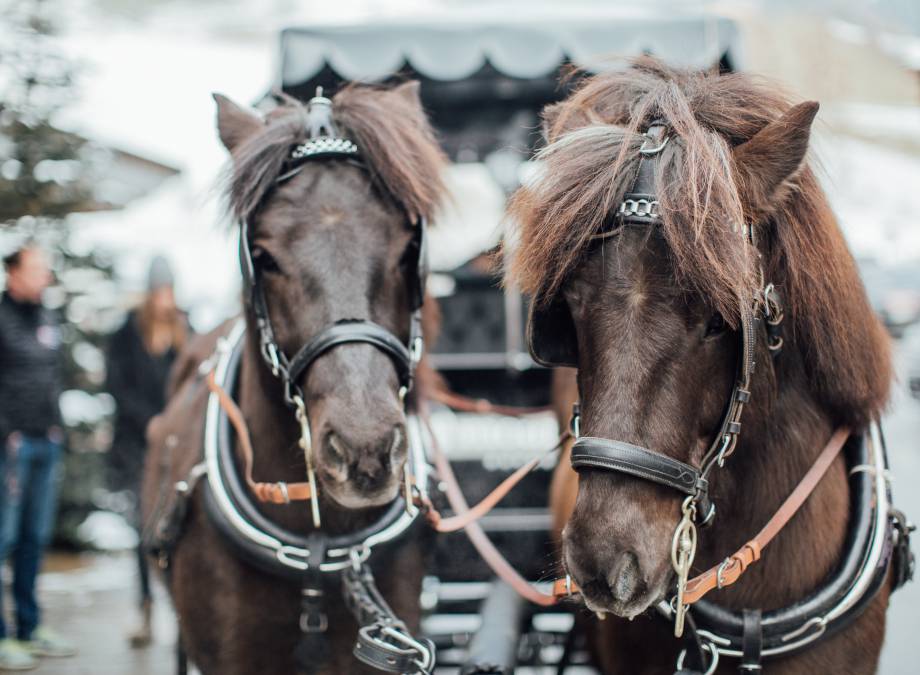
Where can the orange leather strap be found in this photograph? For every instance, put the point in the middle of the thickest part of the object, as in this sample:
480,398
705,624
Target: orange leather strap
480,540
464,518
460,403
272,493
730,570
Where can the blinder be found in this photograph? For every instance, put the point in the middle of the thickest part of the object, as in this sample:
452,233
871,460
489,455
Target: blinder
551,336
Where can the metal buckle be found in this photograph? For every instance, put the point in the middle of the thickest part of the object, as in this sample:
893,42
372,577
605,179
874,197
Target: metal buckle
683,551
320,625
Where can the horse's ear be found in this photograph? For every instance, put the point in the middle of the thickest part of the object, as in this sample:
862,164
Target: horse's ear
411,92
234,123
767,161
548,119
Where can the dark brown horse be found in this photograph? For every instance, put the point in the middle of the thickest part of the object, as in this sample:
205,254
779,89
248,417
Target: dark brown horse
329,244
652,317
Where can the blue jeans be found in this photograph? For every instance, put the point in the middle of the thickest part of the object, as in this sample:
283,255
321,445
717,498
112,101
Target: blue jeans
27,504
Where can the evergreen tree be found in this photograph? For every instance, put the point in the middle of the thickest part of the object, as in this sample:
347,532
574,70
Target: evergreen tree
46,174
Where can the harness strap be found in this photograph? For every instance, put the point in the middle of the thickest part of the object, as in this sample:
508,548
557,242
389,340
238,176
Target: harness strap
271,493
752,642
731,569
478,538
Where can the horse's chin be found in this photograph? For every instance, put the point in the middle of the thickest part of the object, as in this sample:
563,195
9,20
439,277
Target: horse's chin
624,610
357,500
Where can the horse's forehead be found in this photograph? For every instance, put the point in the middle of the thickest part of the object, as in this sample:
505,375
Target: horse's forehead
635,261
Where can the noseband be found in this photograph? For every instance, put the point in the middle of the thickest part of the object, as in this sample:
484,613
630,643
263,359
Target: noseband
640,209
326,143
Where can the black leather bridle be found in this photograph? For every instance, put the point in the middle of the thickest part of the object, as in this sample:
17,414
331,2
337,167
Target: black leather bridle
325,143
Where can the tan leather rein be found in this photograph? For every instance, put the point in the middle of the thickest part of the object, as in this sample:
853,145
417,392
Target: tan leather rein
270,493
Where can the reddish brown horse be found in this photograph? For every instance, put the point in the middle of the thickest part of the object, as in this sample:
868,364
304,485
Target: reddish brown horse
330,245
651,318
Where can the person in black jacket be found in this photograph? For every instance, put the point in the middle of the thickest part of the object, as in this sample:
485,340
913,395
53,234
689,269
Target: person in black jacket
30,439
140,356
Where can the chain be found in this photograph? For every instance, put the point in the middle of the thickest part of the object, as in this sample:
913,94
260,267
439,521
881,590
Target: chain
384,642
306,444
683,550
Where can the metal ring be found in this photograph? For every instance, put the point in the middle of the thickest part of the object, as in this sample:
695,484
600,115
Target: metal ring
713,652
653,151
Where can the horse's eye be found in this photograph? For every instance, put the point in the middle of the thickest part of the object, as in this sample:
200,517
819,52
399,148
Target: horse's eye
716,325
264,262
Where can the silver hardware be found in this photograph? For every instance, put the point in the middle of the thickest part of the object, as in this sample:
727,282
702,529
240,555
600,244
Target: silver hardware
683,551
713,652
644,208
425,658
284,492
306,444
819,621
324,145
416,349
653,151
269,350
720,581
726,442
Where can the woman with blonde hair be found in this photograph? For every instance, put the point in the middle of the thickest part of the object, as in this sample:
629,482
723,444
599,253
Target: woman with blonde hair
140,356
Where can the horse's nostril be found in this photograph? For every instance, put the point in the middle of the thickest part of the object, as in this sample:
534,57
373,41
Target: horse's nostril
625,579
334,459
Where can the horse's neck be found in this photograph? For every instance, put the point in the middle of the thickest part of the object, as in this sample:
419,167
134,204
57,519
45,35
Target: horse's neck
779,443
277,455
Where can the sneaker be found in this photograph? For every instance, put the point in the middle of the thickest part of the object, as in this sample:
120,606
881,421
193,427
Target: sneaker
45,642
14,655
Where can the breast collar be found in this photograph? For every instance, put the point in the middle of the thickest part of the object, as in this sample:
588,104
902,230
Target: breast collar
876,531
